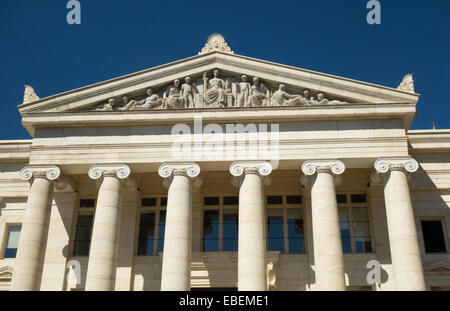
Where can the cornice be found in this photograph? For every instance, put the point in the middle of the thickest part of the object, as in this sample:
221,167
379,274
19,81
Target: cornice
403,111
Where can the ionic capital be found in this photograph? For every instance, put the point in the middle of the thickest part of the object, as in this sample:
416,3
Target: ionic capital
51,173
311,167
99,171
384,165
262,168
168,170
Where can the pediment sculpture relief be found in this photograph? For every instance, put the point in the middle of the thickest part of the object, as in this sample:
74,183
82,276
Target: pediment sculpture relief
216,91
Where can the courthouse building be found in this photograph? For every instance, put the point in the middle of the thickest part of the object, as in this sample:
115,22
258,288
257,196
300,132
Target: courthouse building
221,171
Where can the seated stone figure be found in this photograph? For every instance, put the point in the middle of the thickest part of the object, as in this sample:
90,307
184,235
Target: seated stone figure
214,91
283,98
173,98
259,94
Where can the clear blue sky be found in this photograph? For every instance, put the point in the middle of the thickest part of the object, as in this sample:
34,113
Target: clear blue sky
39,48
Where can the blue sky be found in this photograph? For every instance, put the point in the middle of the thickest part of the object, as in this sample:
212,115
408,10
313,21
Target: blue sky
39,48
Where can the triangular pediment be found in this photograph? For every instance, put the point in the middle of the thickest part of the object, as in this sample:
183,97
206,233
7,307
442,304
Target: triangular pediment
156,89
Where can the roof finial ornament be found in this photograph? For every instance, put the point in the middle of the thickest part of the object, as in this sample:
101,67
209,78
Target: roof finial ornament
407,84
216,42
29,95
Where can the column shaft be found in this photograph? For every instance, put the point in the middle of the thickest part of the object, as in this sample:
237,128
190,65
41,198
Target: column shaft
328,256
105,236
252,263
176,272
405,251
30,254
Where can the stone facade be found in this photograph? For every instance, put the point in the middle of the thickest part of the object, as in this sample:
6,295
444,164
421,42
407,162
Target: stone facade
113,142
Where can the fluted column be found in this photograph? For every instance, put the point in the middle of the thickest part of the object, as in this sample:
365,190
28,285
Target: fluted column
176,267
328,255
404,244
105,233
30,254
252,258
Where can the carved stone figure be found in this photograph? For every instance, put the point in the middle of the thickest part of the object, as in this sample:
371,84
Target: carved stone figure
243,91
214,95
283,98
127,103
152,101
259,94
188,91
321,100
172,96
109,106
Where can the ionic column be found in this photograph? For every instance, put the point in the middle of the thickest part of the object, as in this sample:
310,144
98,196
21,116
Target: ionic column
404,244
105,232
30,254
252,261
328,256
176,266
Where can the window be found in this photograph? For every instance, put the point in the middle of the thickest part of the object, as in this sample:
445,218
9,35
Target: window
354,223
285,227
83,230
433,236
152,224
12,241
275,230
220,224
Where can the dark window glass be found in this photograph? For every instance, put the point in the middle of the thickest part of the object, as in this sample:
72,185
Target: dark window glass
211,200
87,202
161,230
148,202
163,202
275,230
295,230
344,224
275,199
12,241
211,231
341,198
230,230
230,200
361,230
146,233
358,198
294,199
433,236
83,234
